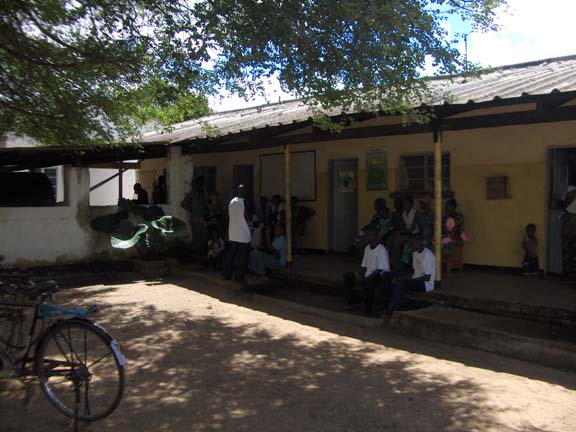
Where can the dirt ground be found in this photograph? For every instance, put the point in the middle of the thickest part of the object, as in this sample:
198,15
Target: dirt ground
200,359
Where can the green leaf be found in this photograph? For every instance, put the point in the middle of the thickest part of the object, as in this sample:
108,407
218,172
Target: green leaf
126,235
170,225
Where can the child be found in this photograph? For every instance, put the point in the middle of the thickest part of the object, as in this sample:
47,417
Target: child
216,248
530,265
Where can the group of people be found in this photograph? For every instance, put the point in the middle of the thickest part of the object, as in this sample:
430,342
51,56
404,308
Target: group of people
259,244
398,251
159,193
376,272
204,216
272,212
256,238
395,229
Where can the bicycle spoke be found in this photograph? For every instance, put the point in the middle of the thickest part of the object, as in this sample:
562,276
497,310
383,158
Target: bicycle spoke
99,360
61,349
72,352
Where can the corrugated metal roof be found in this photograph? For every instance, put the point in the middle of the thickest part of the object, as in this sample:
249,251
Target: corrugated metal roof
506,82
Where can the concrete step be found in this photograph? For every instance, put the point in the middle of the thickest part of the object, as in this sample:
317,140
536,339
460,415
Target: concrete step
537,342
555,316
545,344
543,314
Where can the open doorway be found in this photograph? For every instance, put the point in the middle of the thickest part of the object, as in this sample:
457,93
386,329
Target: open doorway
561,170
244,174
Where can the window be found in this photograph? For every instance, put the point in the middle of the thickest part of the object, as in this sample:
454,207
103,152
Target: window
209,174
52,174
417,173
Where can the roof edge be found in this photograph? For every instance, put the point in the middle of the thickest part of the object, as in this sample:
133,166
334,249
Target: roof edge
489,69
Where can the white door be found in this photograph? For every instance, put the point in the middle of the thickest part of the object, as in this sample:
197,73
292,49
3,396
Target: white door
343,203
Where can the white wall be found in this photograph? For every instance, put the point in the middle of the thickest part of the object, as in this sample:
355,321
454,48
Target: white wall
42,235
62,234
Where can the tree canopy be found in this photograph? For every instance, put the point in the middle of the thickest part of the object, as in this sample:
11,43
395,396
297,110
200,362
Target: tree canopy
82,72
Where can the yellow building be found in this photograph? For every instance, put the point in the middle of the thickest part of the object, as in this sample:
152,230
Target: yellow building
509,146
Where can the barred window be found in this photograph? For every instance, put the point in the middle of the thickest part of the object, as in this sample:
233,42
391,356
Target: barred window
416,173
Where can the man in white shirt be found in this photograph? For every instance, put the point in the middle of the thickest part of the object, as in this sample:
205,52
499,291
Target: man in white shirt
239,239
360,287
424,264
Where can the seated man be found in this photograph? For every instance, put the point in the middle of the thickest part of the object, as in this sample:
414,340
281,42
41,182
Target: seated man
375,267
140,194
424,264
261,261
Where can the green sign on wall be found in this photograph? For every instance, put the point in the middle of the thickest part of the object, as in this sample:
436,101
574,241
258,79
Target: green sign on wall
376,170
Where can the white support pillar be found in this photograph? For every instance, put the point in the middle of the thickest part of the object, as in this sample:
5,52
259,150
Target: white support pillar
175,182
120,181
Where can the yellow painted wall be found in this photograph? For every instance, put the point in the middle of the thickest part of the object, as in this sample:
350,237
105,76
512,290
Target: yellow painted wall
495,227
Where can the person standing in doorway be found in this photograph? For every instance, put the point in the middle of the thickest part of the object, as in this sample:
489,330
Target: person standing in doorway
568,204
239,238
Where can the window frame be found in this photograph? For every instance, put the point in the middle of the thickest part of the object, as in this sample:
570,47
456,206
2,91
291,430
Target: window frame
428,173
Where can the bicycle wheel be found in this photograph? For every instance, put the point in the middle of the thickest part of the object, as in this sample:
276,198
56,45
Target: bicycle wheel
79,370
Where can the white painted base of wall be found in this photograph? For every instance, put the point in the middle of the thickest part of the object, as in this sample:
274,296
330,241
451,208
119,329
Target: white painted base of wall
42,235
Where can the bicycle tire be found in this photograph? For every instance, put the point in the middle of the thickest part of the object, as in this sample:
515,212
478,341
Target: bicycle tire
77,351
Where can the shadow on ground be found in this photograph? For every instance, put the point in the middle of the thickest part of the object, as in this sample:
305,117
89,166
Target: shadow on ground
382,336
201,372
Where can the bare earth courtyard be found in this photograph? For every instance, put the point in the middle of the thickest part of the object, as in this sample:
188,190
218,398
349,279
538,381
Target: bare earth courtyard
201,360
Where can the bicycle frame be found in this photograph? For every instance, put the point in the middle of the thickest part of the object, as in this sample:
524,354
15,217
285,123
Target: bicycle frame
42,311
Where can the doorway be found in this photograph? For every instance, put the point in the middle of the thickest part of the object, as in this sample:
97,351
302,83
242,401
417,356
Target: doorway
343,216
244,174
561,169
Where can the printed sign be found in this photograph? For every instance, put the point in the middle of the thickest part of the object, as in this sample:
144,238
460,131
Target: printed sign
376,170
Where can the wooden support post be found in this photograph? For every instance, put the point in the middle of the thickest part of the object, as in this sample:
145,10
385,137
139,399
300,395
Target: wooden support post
438,205
120,183
288,201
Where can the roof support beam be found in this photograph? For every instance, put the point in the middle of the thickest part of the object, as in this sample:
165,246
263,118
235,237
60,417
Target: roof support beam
478,122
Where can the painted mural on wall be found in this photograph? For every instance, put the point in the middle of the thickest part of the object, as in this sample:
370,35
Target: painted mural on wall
376,170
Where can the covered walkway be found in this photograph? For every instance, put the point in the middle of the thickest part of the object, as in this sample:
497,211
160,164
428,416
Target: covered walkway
484,288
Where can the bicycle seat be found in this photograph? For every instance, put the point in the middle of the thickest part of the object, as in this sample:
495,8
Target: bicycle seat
45,287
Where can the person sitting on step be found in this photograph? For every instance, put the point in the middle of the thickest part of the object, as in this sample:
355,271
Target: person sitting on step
422,280
271,258
360,286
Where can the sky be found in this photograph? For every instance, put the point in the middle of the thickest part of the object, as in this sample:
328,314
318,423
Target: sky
529,30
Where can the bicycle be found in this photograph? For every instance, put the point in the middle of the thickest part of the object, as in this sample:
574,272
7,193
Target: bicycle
79,365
